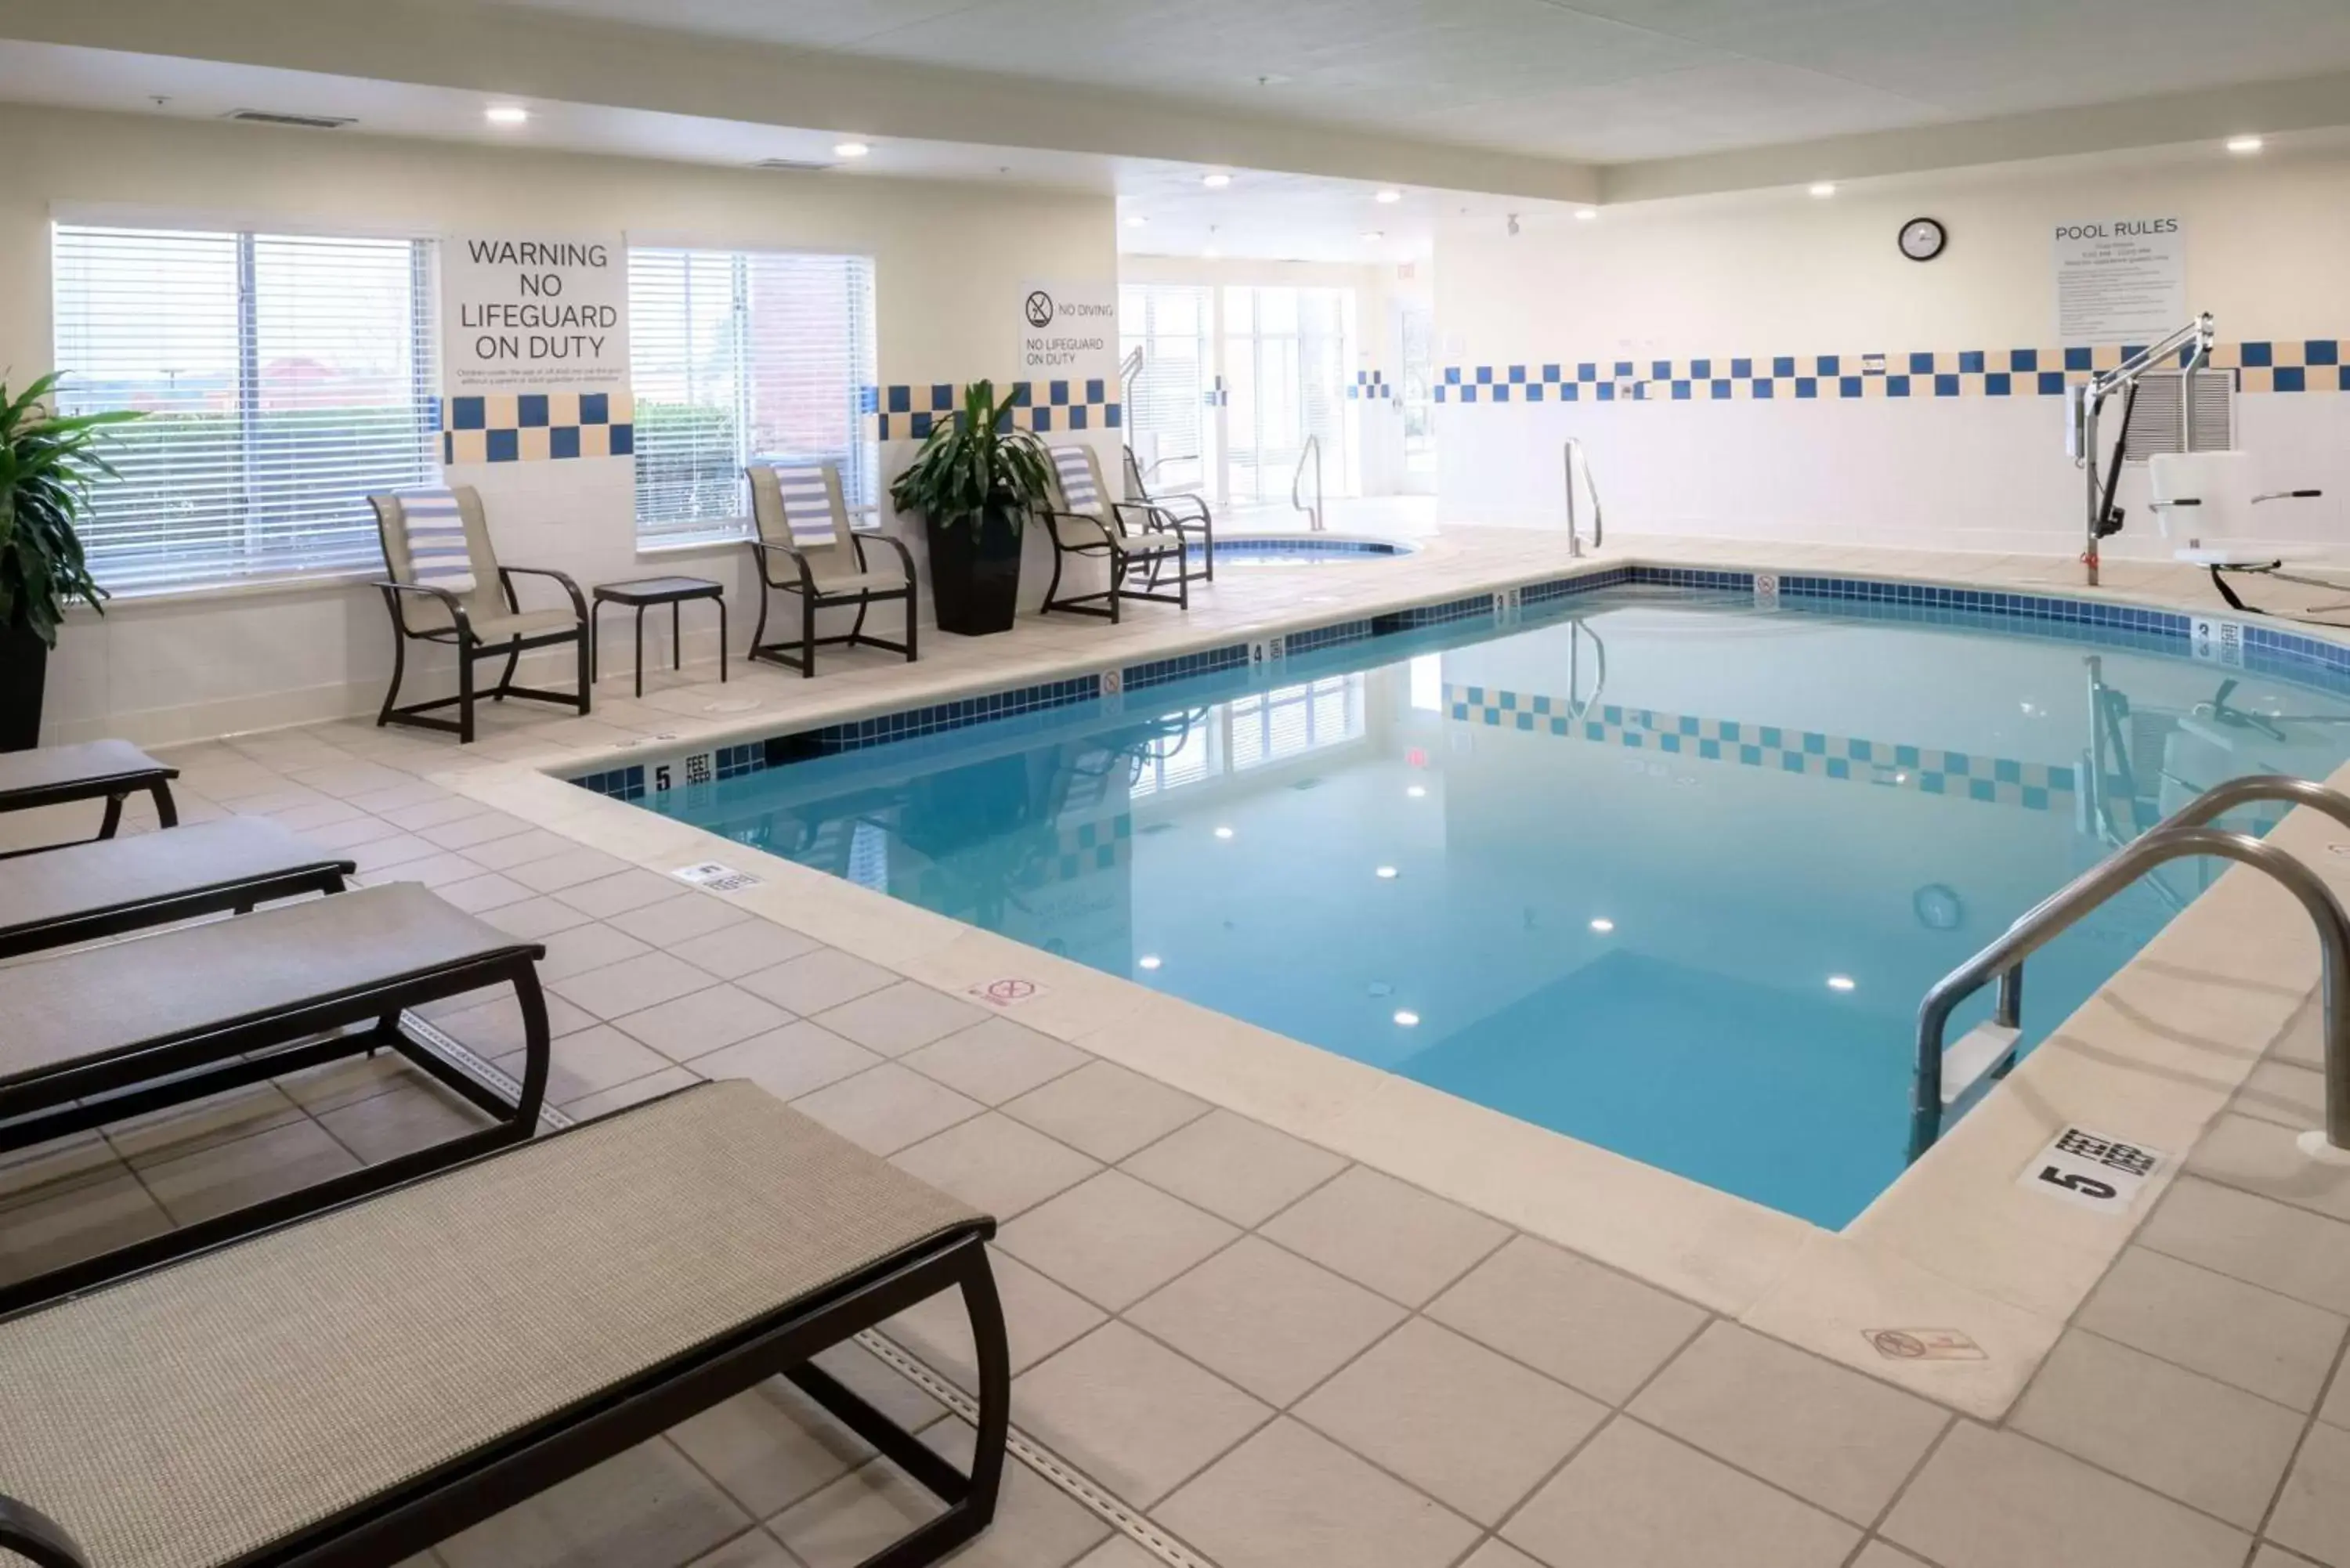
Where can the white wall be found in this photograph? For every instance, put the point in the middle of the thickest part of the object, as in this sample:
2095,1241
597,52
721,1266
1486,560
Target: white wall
1782,272
949,262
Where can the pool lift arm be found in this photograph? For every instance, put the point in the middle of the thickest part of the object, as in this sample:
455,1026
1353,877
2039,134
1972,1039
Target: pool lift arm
2086,405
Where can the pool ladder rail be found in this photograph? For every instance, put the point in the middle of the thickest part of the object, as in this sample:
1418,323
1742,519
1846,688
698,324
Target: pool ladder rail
1944,1076
1310,450
1572,451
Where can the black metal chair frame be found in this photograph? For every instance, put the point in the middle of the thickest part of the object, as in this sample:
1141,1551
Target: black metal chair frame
813,597
236,896
433,1507
58,1099
1109,533
114,790
1182,515
459,634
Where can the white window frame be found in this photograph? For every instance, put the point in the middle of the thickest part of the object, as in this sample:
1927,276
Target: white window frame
659,526
132,558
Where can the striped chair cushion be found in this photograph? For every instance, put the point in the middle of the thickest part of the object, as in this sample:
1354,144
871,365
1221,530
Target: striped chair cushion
435,530
807,503
1076,468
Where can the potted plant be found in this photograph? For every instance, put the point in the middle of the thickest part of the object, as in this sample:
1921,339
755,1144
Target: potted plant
48,464
975,480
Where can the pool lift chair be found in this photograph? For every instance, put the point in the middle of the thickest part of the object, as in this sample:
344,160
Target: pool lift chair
2197,488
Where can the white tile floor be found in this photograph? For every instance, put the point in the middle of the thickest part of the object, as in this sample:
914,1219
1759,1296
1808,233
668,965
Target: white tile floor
1286,1356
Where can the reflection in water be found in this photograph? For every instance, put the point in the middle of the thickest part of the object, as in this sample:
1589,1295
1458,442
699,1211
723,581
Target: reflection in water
1670,875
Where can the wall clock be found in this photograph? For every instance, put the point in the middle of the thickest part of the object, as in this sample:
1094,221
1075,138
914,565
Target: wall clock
1922,239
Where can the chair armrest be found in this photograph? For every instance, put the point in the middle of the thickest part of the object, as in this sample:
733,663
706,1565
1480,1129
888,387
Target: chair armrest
449,601
760,552
905,556
1154,518
1176,506
35,1536
1101,531
506,575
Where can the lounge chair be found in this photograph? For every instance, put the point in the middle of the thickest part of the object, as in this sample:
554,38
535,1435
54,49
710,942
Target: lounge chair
107,886
800,527
1180,513
444,584
111,771
349,1388
99,1033
1085,522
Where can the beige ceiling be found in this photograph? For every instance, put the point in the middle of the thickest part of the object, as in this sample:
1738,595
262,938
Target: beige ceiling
1599,81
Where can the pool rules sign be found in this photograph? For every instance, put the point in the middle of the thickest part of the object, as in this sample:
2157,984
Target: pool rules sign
535,333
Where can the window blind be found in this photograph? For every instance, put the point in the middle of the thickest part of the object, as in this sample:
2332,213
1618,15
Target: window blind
739,355
284,377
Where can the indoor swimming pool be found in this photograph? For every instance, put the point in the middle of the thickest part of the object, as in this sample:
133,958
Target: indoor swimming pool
1664,870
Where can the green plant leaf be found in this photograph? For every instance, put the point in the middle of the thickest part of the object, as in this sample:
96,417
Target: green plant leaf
49,464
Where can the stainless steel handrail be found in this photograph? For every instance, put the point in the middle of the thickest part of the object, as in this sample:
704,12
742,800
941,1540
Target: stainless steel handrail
2182,833
1572,450
1313,449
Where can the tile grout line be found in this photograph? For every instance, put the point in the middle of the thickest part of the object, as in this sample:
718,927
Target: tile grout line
1105,1504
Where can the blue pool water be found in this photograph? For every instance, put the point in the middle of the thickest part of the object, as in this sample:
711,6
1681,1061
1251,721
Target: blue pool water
1659,870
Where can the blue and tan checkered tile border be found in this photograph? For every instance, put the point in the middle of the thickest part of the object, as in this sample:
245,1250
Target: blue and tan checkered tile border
2309,364
536,427
1993,781
2267,650
1373,387
1049,407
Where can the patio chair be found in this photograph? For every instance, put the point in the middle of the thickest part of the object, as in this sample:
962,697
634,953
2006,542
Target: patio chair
107,886
1083,521
800,526
1184,513
111,771
444,585
100,1033
345,1390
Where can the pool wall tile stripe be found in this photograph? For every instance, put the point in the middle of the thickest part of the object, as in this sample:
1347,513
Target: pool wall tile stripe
2266,649
1892,765
1160,672
2296,366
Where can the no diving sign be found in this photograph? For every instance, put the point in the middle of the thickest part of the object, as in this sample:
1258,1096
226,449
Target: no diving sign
1009,992
2091,1170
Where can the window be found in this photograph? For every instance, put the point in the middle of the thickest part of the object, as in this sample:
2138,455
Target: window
1291,720
1166,402
282,377
740,355
1289,355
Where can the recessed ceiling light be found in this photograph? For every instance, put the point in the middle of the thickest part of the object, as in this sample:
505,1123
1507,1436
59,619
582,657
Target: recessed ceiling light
1373,236
1824,188
505,114
1212,253
1586,213
1223,833
1215,182
849,149
2245,144
1148,961
1388,198
1407,1019
1603,925
1387,873
1136,223
1840,983
1417,791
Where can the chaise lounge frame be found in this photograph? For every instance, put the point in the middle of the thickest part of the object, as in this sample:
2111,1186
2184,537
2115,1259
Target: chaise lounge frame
429,1508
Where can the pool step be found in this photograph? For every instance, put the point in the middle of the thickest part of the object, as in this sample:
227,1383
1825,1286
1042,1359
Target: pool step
1979,1050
